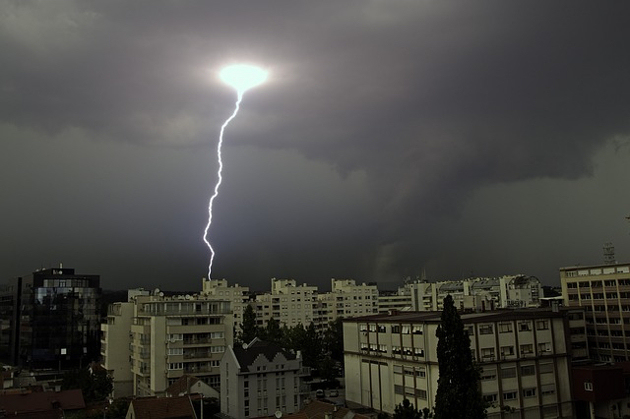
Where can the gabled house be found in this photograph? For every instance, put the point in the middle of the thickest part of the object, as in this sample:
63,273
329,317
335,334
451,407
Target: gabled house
261,378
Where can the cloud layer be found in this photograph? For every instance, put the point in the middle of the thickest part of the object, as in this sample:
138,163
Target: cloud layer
382,120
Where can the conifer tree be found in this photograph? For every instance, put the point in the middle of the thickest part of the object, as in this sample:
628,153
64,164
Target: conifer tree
458,394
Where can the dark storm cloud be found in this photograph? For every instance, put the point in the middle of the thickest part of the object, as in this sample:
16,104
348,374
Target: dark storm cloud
415,104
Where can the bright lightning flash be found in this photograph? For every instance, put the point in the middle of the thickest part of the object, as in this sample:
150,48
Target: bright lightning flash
241,77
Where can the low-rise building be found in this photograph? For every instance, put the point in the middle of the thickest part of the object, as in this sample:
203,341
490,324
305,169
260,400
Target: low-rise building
260,378
524,356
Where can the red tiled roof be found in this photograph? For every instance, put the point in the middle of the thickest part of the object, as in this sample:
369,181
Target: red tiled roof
39,402
182,385
317,409
163,408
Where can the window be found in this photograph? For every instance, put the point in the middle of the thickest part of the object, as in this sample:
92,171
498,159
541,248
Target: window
487,354
490,398
527,349
396,328
416,329
544,347
547,389
588,386
529,392
485,329
505,327
524,327
528,370
542,324
509,372
488,374
422,394
510,395
507,350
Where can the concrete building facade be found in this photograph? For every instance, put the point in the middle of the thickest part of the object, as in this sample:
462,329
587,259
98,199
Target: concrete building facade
524,355
167,338
260,379
288,303
508,291
346,299
604,293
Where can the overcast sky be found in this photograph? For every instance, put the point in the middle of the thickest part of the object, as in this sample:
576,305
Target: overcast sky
464,138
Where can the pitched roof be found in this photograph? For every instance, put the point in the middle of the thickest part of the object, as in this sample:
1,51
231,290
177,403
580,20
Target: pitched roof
47,401
247,354
182,385
317,409
163,408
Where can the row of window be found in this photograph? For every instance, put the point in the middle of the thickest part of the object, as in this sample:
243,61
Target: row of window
488,354
506,327
415,329
490,373
598,284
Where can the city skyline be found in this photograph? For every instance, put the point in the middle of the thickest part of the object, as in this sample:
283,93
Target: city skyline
483,139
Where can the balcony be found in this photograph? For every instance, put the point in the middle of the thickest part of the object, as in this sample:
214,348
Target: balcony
304,371
200,354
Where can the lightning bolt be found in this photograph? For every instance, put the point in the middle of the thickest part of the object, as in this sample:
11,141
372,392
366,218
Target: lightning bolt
237,106
241,77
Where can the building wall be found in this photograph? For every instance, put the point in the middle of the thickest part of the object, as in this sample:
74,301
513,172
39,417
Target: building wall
272,386
54,318
604,293
115,352
509,291
169,337
524,359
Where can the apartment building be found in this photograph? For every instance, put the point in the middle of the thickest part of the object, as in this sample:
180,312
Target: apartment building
167,337
394,300
509,291
115,341
219,289
346,299
260,379
524,355
604,293
288,303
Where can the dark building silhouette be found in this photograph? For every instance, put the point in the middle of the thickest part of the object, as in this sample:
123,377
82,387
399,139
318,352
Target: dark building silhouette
50,319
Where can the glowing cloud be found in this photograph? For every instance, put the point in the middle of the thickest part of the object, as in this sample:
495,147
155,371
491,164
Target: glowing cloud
241,77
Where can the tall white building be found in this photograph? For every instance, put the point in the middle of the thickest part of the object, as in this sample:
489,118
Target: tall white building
346,299
509,291
524,356
260,379
158,339
604,293
287,303
219,289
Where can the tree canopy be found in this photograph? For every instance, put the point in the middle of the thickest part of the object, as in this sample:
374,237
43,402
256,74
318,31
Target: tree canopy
458,393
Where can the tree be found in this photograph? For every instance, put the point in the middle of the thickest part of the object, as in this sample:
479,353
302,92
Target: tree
273,332
405,410
249,329
458,393
333,339
96,385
